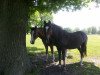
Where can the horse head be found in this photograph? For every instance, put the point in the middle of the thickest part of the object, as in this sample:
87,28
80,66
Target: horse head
48,30
33,34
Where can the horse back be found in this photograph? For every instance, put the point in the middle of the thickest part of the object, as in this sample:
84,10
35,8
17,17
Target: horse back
74,40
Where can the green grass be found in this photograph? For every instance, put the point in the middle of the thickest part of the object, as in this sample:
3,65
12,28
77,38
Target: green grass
92,61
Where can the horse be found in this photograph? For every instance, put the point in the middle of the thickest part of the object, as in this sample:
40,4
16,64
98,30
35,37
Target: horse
64,40
39,32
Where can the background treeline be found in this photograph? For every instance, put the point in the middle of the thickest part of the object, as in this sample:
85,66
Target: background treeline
89,30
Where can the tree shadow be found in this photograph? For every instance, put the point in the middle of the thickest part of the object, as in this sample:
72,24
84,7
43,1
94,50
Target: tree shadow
71,69
37,58
47,68
36,54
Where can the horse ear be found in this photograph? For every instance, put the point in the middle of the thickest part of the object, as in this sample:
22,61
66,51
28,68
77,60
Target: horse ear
49,22
44,22
35,27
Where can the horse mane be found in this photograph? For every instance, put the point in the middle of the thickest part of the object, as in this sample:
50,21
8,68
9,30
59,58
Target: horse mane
59,29
56,28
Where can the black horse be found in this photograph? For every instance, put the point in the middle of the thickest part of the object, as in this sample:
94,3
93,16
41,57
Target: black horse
64,40
39,32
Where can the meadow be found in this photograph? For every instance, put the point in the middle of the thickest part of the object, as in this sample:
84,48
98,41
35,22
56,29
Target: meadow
91,61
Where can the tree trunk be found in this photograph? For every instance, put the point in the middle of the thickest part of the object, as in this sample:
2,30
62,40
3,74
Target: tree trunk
13,20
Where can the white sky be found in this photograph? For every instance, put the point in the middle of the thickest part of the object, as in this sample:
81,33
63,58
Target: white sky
83,18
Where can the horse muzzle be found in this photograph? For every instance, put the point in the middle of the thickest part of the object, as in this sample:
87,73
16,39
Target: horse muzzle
47,39
32,42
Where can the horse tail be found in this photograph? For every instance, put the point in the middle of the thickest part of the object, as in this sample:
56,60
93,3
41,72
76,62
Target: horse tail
84,48
85,51
84,44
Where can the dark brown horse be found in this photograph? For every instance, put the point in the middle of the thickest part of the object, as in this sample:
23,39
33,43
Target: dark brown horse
39,32
64,40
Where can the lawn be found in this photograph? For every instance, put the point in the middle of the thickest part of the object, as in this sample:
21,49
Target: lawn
91,62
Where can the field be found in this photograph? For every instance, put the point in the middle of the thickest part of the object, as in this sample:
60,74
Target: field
91,62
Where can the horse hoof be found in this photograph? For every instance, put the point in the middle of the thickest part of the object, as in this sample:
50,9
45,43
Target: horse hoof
45,61
81,64
64,68
59,66
56,63
53,61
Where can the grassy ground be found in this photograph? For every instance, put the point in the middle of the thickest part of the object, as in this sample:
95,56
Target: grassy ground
91,62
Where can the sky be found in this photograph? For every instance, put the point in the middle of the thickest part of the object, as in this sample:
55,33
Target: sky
84,18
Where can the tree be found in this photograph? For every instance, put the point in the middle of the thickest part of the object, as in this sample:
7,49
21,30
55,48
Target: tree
89,30
94,30
68,29
14,16
13,20
76,29
98,30
85,30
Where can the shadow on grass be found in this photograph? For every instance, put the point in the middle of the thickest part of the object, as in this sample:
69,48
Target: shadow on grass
72,69
40,54
37,57
46,68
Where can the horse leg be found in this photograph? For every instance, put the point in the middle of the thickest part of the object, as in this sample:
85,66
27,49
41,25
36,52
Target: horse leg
46,47
84,48
81,55
59,54
81,61
52,52
63,56
83,52
66,55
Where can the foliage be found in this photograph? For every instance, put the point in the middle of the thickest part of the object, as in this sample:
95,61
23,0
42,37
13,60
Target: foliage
98,31
68,29
55,5
76,29
85,30
42,9
89,30
37,18
48,6
92,30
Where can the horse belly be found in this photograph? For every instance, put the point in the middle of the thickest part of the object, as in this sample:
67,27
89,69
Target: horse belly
73,44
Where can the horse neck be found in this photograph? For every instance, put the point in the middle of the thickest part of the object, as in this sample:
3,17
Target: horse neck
40,33
56,35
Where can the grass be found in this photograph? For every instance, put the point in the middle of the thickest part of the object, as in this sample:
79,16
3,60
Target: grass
91,62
